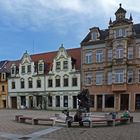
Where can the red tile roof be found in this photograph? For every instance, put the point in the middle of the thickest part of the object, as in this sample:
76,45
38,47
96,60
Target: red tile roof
48,57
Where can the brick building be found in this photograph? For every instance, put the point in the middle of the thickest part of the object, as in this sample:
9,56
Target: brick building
111,64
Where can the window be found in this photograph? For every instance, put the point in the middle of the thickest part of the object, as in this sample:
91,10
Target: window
109,78
88,78
29,68
23,100
94,36
30,83
130,53
22,83
3,88
119,76
109,55
57,81
99,56
40,67
66,81
74,81
3,76
50,101
50,83
65,64
119,52
130,76
58,66
23,69
57,101
139,52
88,58
12,70
13,85
139,76
99,78
109,101
38,83
120,32
65,101
91,100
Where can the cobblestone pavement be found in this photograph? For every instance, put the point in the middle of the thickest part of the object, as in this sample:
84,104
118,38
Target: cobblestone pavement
11,130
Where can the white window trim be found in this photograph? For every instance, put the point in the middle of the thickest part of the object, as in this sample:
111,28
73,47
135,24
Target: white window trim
99,56
99,77
88,58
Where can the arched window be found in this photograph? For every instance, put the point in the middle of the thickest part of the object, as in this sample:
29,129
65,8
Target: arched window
30,83
22,83
57,81
66,81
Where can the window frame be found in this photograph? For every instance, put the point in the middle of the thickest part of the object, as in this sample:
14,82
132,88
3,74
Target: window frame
65,65
119,52
74,83
99,56
50,83
38,83
99,78
130,53
88,78
119,75
58,65
88,57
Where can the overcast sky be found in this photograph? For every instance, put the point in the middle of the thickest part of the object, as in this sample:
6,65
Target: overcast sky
39,26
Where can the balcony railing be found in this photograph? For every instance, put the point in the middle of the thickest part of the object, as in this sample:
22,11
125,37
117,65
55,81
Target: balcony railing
119,87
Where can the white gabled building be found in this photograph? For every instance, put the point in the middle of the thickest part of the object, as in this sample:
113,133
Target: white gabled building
45,81
63,80
26,85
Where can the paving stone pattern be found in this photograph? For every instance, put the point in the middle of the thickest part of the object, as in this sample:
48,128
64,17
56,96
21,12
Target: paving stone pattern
11,130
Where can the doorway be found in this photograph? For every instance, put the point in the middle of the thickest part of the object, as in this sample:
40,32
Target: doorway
124,102
137,102
14,102
74,102
99,102
30,102
4,103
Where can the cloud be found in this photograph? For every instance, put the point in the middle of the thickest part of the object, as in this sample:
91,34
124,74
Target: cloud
60,14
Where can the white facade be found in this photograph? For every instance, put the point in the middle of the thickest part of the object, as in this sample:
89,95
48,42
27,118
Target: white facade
26,96
63,95
57,90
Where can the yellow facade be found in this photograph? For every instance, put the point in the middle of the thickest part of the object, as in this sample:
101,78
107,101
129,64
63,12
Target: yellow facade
3,90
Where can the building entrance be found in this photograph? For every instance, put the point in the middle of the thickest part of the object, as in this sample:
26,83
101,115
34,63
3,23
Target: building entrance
137,101
14,102
124,102
99,102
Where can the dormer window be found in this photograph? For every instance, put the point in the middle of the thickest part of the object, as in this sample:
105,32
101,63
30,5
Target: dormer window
41,66
57,65
13,70
121,32
65,65
29,68
94,35
23,69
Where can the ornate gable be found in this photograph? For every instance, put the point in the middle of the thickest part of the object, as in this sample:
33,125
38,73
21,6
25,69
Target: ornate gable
26,58
62,54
